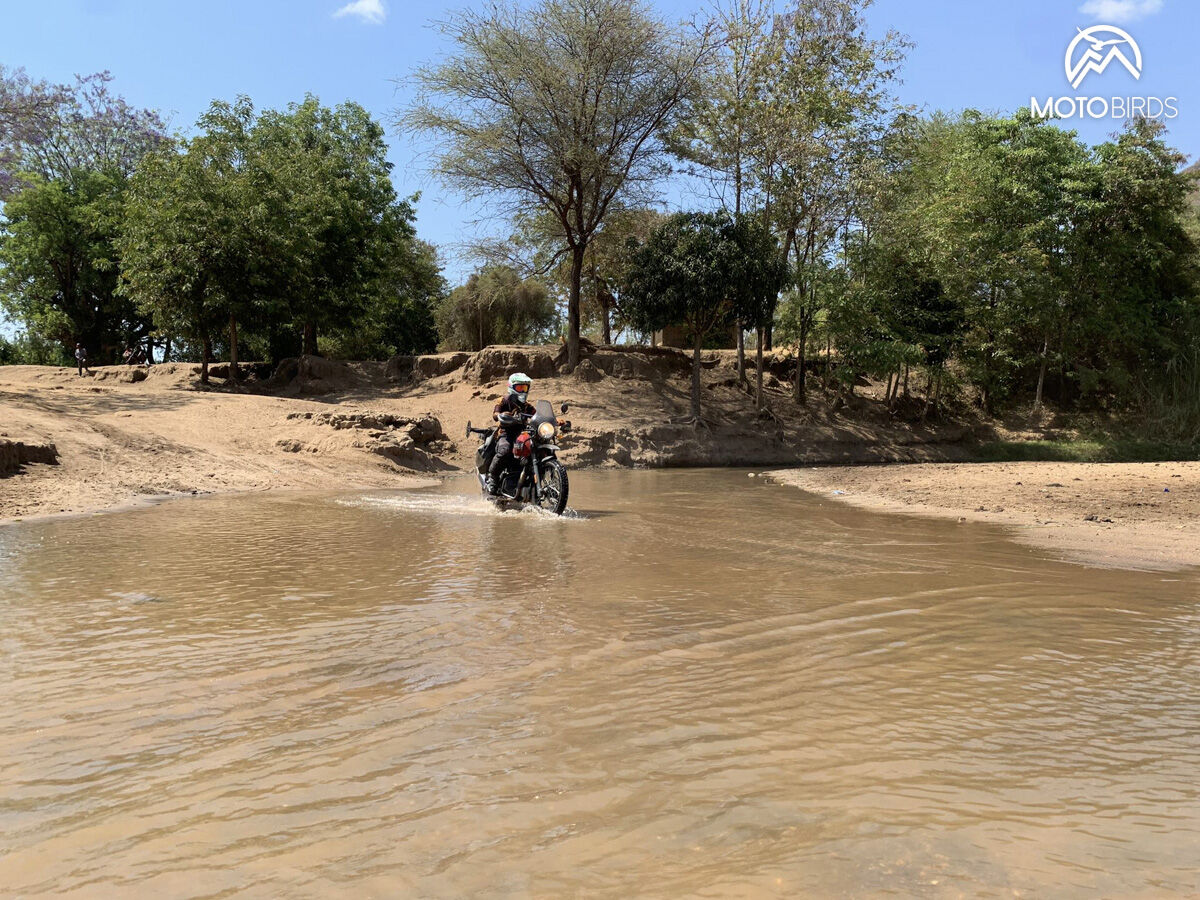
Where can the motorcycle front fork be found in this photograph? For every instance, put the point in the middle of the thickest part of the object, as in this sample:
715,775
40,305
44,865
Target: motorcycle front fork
536,489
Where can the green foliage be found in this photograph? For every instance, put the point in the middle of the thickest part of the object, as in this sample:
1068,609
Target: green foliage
705,271
399,319
30,349
1056,265
496,306
535,248
499,111
276,221
65,155
58,267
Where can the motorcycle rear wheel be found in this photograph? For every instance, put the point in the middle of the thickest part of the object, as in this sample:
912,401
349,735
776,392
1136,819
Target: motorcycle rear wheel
553,487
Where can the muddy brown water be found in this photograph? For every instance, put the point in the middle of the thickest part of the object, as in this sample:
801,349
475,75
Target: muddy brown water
705,685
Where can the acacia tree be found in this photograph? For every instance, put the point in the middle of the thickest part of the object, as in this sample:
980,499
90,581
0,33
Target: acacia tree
559,106
534,249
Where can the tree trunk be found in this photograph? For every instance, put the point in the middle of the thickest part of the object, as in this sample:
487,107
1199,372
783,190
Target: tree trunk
166,350
758,358
1037,400
607,326
698,341
768,336
205,356
801,391
577,253
741,352
233,348
928,396
906,381
310,339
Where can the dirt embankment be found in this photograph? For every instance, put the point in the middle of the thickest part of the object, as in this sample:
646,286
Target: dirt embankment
1139,515
71,444
125,433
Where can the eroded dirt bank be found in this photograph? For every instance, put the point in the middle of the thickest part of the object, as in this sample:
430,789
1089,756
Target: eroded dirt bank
122,433
1139,515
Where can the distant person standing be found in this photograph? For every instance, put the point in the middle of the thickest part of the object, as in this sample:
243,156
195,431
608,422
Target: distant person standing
81,359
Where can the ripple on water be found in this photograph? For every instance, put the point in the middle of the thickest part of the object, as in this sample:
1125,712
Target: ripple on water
713,689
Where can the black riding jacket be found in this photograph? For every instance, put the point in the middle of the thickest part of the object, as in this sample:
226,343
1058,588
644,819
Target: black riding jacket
510,405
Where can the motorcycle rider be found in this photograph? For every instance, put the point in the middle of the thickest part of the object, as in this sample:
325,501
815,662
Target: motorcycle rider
514,403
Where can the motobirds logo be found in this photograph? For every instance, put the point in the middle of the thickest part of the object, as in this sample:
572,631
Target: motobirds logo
1092,52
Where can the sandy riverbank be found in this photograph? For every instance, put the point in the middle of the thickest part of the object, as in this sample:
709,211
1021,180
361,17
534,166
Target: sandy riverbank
1128,515
121,434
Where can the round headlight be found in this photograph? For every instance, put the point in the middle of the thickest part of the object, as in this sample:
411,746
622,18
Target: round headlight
546,431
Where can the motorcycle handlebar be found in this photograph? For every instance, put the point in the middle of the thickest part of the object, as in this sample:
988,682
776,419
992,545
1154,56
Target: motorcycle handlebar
515,418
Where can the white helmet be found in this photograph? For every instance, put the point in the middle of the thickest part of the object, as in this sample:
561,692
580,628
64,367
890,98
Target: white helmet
519,386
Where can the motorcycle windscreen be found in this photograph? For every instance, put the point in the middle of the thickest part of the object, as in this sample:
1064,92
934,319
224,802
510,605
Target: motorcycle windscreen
543,412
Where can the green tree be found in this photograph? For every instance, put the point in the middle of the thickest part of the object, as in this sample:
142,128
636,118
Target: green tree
495,306
170,246
535,248
65,155
399,317
717,138
703,270
328,169
280,218
58,267
30,349
824,111
558,106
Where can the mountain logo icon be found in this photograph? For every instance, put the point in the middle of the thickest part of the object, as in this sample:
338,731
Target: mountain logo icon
1095,48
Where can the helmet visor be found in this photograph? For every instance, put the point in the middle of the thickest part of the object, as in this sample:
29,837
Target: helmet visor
521,388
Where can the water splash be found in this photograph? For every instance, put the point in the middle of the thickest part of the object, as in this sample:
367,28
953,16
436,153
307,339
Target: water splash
455,505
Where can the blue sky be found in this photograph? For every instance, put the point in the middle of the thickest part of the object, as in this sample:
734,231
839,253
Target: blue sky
178,56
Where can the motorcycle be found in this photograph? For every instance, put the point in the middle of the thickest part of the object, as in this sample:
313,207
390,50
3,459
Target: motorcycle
533,474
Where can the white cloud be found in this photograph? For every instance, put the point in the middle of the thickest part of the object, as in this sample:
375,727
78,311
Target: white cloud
1121,10
370,11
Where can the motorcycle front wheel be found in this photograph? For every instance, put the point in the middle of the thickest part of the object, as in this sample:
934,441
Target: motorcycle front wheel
552,487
